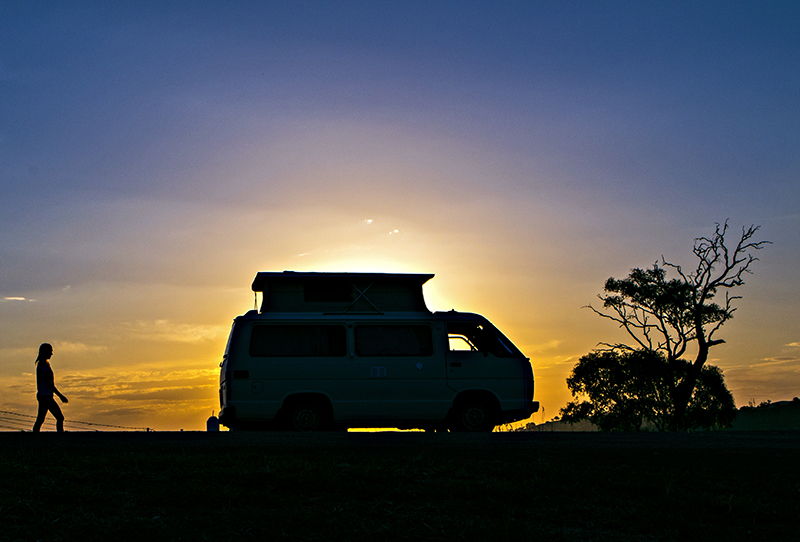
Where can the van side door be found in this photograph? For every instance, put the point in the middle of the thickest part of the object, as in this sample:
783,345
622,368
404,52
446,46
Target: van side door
402,375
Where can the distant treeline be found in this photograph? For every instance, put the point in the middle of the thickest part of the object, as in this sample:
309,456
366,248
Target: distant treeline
766,416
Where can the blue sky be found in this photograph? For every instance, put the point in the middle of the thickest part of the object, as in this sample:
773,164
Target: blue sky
154,157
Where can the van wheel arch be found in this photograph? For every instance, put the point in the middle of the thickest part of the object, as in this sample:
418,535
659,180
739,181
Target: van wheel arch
474,412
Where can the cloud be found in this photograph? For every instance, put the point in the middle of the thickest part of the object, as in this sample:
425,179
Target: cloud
167,395
18,298
776,361
114,375
150,387
133,410
543,347
794,344
166,331
76,380
160,379
21,352
77,348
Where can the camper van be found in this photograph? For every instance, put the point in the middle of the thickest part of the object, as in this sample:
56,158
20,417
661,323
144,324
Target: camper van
331,351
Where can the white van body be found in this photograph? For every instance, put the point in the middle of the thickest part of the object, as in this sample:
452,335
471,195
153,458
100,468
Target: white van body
340,350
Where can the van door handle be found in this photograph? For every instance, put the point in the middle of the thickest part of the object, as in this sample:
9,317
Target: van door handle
455,364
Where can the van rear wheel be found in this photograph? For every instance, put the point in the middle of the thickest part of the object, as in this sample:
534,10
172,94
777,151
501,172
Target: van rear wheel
306,417
474,416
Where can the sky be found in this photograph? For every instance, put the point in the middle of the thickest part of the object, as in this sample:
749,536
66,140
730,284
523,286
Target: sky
155,156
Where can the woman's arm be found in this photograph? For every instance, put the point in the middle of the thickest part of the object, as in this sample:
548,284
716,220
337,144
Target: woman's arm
60,395
52,384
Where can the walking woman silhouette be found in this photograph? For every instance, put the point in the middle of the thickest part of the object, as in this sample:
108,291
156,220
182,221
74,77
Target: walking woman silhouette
45,389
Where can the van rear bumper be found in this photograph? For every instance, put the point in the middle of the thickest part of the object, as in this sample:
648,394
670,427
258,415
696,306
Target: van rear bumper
227,416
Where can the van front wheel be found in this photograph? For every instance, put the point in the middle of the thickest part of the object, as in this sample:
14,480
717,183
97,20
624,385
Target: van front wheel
474,416
306,417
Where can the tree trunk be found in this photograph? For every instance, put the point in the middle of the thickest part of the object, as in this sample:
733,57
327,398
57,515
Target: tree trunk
685,389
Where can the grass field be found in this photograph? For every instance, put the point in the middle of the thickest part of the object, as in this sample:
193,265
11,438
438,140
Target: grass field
400,486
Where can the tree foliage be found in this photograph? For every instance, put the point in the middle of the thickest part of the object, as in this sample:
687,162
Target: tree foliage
671,315
630,391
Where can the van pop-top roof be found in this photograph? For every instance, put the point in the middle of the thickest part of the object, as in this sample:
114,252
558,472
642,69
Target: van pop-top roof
371,293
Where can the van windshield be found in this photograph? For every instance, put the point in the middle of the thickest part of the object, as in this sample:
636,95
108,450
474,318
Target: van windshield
480,337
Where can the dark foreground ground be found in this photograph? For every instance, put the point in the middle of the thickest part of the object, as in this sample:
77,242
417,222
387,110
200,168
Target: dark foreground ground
400,486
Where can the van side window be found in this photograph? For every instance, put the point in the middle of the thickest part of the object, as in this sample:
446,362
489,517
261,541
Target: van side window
298,341
479,338
396,340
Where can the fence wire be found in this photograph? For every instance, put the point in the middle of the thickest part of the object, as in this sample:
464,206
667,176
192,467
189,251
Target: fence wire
14,421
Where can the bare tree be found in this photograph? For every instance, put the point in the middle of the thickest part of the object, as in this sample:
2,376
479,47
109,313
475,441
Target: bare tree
669,315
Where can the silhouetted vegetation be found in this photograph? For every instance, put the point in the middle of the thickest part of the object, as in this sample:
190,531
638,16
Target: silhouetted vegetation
671,315
630,391
768,403
769,416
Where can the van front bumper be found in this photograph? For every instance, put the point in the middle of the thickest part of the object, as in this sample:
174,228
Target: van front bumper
509,416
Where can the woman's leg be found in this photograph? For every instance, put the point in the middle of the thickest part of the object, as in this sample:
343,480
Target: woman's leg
56,411
43,408
46,404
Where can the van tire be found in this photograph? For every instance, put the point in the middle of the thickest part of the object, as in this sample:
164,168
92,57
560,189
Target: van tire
474,415
306,416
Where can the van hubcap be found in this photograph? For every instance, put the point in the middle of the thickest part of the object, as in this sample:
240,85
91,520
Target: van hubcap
474,417
306,419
